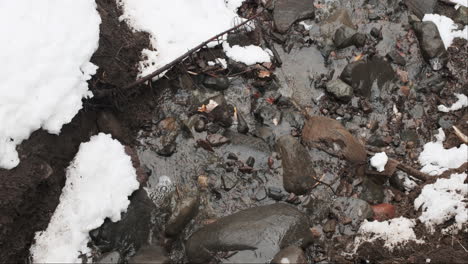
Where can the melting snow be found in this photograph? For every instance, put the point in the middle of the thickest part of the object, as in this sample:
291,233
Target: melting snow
459,104
460,2
447,28
51,44
378,161
177,26
436,159
444,200
394,232
249,54
99,181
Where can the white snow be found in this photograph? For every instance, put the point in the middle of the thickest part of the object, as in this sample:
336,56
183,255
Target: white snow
249,54
436,159
218,61
99,181
305,25
378,161
447,28
44,67
285,261
177,26
394,232
459,104
444,200
460,2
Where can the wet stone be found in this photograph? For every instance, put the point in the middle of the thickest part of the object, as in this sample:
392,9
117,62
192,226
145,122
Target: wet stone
329,226
185,210
217,140
200,125
396,58
246,232
353,208
417,111
275,193
298,171
376,33
340,90
287,12
165,135
242,126
216,83
291,254
445,122
372,192
344,37
150,254
222,115
430,42
232,156
250,161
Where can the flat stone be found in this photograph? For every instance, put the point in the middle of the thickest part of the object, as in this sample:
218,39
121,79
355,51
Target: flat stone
298,170
340,90
287,12
256,233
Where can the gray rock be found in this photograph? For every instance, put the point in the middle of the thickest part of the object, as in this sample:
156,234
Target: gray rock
421,7
338,19
462,15
216,83
291,254
242,126
109,258
353,208
430,42
217,140
287,12
396,58
150,254
257,234
344,37
298,171
340,90
186,209
445,122
164,136
372,192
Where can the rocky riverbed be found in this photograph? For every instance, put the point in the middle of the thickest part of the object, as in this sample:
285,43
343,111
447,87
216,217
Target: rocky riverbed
267,162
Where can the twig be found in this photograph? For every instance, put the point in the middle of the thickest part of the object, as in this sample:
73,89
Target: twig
104,93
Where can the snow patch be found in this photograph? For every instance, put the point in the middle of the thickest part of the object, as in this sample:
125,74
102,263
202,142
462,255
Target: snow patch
218,61
99,181
460,2
378,161
177,26
394,232
444,200
249,55
436,159
447,28
50,43
459,104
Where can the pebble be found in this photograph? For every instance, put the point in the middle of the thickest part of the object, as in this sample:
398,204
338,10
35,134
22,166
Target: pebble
217,140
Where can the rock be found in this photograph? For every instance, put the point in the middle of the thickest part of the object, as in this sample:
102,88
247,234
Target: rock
329,226
242,126
216,83
142,175
330,136
287,12
291,254
185,211
359,40
383,211
250,161
344,37
362,74
150,254
445,122
421,7
275,193
373,16
268,115
265,133
430,42
165,135
318,208
222,115
257,234
200,125
232,156
217,140
340,90
372,192
376,33
462,15
432,84
353,208
396,58
109,258
298,170
108,123
339,18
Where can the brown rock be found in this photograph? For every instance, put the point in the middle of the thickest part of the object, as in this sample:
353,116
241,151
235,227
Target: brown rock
383,211
330,136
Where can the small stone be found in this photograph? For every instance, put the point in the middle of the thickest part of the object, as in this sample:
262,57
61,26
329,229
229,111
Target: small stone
246,169
383,211
200,125
242,126
250,161
344,37
202,181
275,193
376,33
232,156
396,58
329,226
373,16
216,83
205,145
185,211
217,140
340,90
293,254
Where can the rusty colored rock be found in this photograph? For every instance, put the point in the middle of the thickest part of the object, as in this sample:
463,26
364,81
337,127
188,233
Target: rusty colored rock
383,211
330,136
142,176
